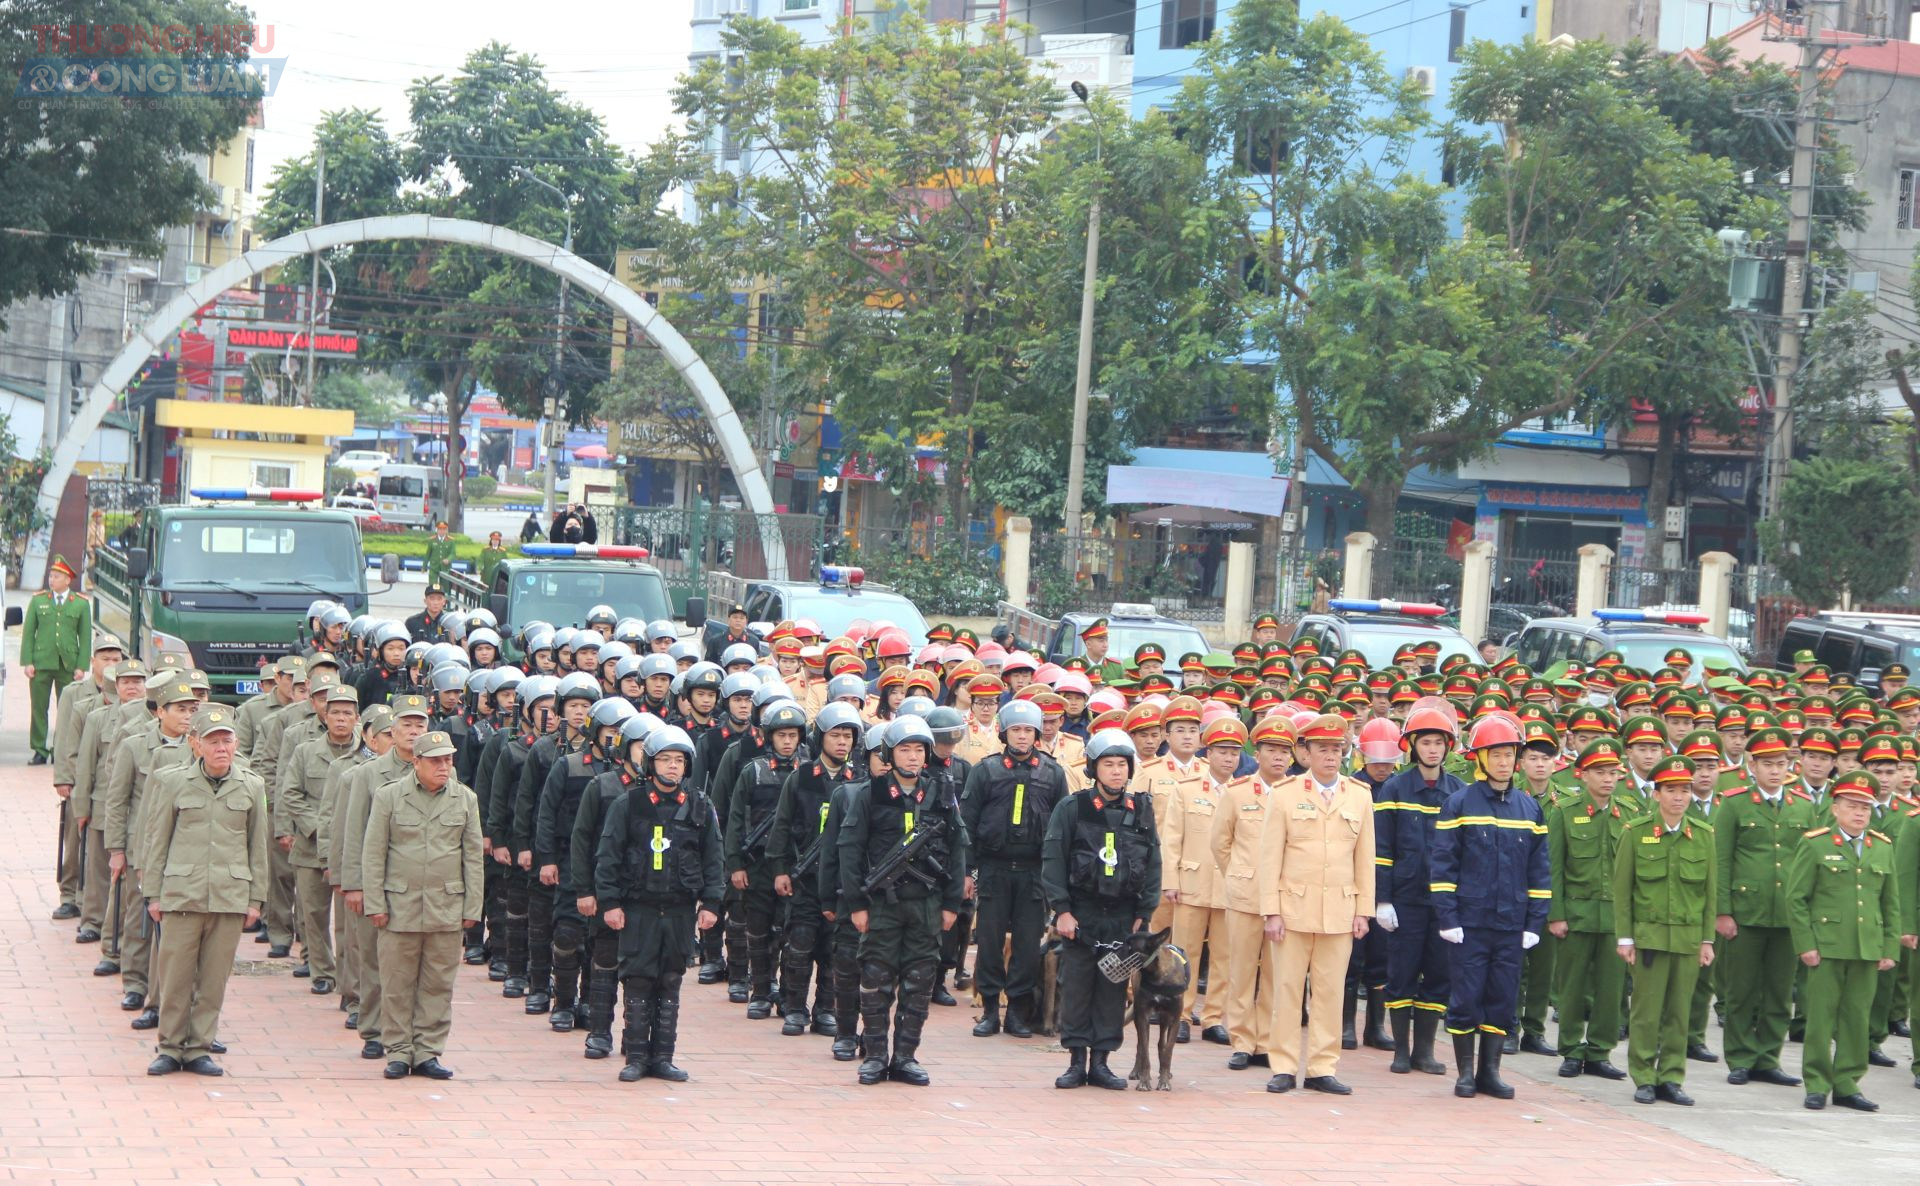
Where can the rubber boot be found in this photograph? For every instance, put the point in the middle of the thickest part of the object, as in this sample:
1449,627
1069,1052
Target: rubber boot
638,1030
1426,1023
1402,1063
916,993
1464,1085
1348,1040
1100,1075
1076,1074
666,1031
1376,1036
876,996
989,1023
602,986
1488,1078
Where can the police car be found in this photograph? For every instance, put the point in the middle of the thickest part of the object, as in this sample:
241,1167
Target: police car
1378,628
1642,636
840,595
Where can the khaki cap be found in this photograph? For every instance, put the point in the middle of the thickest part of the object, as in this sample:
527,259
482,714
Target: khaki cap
433,745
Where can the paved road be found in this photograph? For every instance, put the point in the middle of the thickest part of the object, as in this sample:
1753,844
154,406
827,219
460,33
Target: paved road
298,1104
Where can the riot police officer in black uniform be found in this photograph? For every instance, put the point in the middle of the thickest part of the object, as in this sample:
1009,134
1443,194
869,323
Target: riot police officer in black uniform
659,858
793,854
900,928
734,723
1006,803
553,861
751,811
600,955
949,729
534,720
845,957
575,698
1101,872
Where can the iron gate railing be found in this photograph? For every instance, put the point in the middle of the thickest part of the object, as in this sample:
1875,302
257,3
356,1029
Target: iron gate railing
688,541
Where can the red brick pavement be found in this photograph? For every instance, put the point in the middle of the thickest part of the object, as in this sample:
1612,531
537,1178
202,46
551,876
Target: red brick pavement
299,1105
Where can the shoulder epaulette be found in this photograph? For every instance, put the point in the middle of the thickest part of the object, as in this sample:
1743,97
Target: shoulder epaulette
1914,811
1818,832
1797,793
1882,835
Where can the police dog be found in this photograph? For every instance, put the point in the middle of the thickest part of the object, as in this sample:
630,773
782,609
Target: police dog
1158,989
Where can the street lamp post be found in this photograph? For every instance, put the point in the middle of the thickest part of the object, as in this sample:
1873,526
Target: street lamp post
1083,366
552,409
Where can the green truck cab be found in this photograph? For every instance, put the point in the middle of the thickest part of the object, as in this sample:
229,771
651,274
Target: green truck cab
228,585
561,591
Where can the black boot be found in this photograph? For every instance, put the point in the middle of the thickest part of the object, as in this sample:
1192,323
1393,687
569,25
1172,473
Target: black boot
539,993
989,1023
666,1031
940,994
844,972
1019,1021
566,995
760,975
1099,1075
796,976
1348,1039
737,964
916,993
1376,1036
1426,1023
1464,1085
713,966
876,998
1076,1075
1402,1063
602,987
1488,1078
639,1029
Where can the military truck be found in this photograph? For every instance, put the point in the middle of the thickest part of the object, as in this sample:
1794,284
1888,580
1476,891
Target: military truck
560,583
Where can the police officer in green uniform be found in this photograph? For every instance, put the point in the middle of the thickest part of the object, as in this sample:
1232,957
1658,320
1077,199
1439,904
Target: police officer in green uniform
1844,905
1759,829
1664,878
439,556
1095,639
53,649
1583,833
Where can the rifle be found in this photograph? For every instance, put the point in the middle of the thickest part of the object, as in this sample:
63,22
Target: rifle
809,860
115,908
899,864
60,842
754,846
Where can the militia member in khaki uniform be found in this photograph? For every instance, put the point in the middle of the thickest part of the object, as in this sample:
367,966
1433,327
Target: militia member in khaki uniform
264,759
423,879
77,700
1315,888
1664,873
1237,825
1843,905
297,825
289,672
128,679
376,738
205,867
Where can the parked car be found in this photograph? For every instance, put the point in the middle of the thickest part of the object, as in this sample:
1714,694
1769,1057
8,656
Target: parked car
1378,628
1859,644
360,508
1129,624
1642,636
363,460
831,602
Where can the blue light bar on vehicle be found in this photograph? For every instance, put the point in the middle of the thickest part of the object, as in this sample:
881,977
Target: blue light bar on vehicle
1672,617
1356,605
586,551
842,574
257,494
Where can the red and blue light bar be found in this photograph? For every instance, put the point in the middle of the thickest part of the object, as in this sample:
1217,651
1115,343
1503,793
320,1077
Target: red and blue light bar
842,574
586,551
1357,605
1672,617
254,494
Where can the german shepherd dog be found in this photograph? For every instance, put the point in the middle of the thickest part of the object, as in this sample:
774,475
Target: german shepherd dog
1158,989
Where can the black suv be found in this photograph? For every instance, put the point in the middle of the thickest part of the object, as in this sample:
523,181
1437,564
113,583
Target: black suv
1544,642
1858,644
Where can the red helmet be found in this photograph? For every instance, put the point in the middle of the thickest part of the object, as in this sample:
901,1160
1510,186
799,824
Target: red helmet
1380,741
893,643
1430,714
1496,728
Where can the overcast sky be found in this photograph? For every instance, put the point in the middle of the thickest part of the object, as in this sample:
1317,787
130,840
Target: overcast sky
618,59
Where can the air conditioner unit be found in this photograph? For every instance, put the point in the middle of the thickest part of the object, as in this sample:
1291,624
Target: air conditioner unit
1424,77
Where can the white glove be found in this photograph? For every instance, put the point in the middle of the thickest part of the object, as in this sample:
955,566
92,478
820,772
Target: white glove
1454,934
1528,940
1386,917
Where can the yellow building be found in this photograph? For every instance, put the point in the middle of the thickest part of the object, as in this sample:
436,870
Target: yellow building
223,228
252,444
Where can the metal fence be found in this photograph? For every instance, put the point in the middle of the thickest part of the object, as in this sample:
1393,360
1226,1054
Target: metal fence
685,542
1417,570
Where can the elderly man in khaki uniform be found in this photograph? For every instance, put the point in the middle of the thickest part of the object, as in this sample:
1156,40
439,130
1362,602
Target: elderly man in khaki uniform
142,751
296,823
350,833
1316,891
376,738
205,876
1238,822
270,753
128,686
279,691
424,887
77,699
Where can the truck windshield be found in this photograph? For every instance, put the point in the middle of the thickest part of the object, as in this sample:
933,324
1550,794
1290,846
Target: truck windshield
563,596
245,551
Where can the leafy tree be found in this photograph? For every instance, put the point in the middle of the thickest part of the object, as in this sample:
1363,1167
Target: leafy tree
373,398
1845,530
76,172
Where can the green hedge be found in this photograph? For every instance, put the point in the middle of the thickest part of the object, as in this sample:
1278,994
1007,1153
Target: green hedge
953,580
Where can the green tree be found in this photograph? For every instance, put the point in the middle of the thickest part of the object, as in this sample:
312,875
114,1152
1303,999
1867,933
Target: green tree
77,172
374,398
1845,529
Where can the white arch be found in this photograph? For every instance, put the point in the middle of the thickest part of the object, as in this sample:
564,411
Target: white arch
597,282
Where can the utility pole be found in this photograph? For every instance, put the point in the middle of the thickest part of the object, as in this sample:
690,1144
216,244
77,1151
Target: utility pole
313,279
1083,366
1800,183
555,433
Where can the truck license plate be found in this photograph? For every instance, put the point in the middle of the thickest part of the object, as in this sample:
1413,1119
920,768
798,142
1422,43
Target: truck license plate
246,687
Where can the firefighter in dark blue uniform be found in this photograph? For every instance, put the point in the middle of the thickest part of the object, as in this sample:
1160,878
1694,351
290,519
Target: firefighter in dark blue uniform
799,830
1491,886
658,860
1101,874
1405,809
